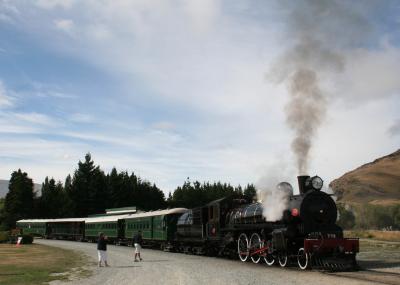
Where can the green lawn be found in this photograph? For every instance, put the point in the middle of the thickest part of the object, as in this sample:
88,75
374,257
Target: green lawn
38,264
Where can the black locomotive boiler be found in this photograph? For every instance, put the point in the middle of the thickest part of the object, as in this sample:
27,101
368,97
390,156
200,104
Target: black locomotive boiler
306,234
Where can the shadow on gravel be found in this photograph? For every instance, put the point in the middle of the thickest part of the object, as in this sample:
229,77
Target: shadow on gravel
165,260
377,264
127,266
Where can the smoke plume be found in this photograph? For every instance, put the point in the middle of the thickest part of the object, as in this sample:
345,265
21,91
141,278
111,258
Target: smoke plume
304,113
317,31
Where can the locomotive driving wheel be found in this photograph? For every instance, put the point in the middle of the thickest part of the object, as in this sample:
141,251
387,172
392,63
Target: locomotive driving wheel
243,247
303,259
283,259
255,245
269,258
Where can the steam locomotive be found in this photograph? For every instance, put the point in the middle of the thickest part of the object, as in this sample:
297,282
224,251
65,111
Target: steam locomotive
306,234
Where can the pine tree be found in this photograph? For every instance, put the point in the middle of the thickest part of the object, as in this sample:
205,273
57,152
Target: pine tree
19,202
54,202
250,193
88,189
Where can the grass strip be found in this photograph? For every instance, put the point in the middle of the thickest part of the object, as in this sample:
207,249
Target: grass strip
38,264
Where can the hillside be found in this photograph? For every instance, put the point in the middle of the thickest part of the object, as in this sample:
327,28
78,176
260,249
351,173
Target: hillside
4,188
377,182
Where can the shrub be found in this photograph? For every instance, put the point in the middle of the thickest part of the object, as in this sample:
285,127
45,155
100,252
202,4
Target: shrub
27,239
346,217
4,236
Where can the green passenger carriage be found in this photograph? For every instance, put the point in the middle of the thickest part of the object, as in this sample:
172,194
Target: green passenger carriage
158,227
68,228
111,226
33,227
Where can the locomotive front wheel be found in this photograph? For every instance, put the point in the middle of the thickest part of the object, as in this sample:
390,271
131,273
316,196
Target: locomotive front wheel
303,259
283,259
255,244
243,247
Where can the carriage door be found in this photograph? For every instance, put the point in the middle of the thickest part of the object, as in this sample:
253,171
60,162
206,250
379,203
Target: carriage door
213,221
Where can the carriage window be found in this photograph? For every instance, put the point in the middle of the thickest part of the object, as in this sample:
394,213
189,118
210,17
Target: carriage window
189,219
182,219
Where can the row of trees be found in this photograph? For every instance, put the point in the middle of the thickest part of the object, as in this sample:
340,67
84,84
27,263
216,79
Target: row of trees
367,216
91,191
191,195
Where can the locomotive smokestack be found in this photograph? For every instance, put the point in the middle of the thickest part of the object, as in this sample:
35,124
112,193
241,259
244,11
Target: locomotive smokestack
302,183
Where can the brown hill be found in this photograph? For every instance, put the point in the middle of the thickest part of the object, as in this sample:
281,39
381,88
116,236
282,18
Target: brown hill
377,182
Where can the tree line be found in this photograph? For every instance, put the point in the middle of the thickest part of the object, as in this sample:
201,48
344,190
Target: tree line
369,217
90,191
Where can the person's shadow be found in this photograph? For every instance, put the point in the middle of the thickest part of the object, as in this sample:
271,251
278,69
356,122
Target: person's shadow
126,266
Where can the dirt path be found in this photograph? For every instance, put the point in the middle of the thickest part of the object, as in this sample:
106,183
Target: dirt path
173,268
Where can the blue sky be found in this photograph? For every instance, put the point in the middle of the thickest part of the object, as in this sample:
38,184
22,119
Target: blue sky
177,89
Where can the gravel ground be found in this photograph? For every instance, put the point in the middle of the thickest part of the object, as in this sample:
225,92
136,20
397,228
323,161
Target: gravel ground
160,267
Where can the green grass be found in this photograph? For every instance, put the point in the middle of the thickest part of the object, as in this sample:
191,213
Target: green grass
38,264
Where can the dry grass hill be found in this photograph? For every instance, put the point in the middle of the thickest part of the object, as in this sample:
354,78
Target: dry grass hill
377,182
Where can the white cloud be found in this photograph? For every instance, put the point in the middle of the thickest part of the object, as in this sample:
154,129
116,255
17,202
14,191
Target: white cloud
8,11
5,100
353,137
81,118
163,125
371,75
65,25
39,157
202,13
27,123
51,4
35,118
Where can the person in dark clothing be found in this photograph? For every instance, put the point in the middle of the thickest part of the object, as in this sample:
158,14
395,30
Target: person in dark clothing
137,242
102,249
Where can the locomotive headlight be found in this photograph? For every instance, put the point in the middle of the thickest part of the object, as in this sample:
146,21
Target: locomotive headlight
317,182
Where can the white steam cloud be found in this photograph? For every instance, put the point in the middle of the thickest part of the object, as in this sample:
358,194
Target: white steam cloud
275,201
